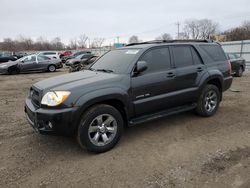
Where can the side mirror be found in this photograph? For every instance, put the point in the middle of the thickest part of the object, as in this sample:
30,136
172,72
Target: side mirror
140,67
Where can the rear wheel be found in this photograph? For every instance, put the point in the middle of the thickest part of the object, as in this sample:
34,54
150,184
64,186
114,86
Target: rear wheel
52,68
100,128
208,101
239,72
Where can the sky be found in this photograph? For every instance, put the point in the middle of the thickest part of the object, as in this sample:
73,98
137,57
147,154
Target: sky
112,18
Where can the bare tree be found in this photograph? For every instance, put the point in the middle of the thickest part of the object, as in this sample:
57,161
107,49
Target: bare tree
97,42
57,44
8,44
238,33
73,44
82,41
199,29
133,39
164,36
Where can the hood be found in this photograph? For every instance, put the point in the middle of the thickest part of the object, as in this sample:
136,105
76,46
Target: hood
83,80
8,64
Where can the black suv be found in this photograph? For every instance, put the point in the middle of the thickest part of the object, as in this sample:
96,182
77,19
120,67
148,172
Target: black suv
128,86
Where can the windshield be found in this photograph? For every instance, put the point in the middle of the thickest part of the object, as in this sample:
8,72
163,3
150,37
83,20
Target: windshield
116,61
79,56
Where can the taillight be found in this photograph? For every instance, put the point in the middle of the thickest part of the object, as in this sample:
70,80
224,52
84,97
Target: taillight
229,67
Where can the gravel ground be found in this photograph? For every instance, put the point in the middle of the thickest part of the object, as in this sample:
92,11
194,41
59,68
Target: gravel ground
183,150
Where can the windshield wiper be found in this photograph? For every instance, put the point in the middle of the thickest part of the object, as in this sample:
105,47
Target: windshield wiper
105,70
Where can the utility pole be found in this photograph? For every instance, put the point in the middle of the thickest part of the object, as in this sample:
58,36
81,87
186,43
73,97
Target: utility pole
178,29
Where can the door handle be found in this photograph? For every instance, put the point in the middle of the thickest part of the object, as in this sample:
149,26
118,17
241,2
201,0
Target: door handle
170,75
199,69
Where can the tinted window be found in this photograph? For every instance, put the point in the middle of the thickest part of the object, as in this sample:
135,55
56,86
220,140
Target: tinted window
196,57
42,58
214,52
182,56
117,60
157,59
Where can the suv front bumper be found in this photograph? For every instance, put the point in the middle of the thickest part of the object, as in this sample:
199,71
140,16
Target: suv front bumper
47,121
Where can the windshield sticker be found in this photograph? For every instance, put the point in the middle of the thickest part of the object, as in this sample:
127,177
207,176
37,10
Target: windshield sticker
132,52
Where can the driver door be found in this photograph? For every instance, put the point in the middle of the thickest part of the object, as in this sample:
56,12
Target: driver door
28,64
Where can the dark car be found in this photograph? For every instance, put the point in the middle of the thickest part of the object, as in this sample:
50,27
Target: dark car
7,56
30,63
78,59
238,64
64,59
80,64
129,86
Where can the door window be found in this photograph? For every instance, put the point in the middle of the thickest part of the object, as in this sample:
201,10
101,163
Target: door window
157,59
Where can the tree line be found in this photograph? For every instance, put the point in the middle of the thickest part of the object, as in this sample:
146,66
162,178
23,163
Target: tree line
192,29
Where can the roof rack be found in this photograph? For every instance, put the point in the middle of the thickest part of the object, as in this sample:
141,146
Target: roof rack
169,41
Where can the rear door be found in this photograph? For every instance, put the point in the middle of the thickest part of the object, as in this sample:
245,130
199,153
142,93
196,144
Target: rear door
189,69
150,89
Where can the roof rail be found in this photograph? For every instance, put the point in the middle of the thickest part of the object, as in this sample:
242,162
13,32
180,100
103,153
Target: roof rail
169,41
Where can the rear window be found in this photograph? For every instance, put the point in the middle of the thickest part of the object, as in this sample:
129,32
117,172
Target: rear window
214,52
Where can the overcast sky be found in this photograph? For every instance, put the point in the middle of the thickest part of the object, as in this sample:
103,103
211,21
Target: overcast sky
110,18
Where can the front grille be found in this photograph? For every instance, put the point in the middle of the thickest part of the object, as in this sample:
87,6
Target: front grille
35,96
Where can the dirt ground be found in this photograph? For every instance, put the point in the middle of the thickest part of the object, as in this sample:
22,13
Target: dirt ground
183,150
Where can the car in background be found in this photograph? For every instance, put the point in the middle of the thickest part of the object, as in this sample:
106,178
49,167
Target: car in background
7,56
31,63
51,55
64,59
78,59
65,54
80,64
238,64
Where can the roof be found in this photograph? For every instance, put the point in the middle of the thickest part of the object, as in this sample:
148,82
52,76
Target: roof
164,42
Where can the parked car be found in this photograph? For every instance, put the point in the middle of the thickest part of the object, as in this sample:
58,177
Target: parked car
64,59
80,64
78,58
238,64
129,86
7,56
65,54
51,55
30,63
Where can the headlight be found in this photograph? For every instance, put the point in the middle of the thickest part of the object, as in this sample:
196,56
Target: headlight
54,98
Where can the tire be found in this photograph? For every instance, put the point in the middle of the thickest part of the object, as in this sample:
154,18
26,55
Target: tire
239,72
12,71
51,68
208,101
93,132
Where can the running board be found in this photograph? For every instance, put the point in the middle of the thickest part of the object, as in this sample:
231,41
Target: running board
161,114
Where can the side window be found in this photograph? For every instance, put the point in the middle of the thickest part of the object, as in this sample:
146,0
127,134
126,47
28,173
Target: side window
29,59
157,59
214,52
42,58
196,57
182,56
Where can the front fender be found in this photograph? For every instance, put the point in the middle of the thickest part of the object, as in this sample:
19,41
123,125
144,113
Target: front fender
97,96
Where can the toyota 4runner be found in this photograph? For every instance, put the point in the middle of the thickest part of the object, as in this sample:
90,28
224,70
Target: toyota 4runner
128,86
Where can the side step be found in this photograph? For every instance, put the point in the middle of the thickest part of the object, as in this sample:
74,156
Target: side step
161,114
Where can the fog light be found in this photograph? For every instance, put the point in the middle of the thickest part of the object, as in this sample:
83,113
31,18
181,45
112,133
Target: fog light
50,125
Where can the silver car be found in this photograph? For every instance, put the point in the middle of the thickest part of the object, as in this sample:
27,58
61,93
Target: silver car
31,63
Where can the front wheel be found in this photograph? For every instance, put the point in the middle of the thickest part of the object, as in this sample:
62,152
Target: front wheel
100,128
208,101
